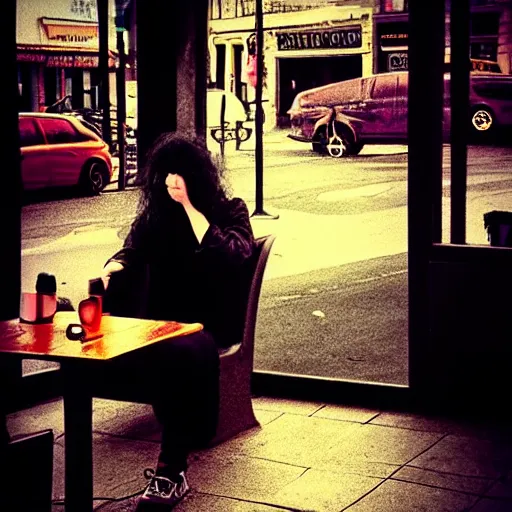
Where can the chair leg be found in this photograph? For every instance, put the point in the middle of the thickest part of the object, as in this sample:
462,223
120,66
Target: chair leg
236,413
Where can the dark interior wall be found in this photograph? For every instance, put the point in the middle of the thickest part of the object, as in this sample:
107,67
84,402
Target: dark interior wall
470,350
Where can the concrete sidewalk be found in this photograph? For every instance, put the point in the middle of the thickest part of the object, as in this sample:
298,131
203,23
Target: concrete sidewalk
304,456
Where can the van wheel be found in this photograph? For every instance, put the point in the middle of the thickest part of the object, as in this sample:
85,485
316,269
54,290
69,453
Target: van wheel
244,133
340,140
482,120
356,148
319,144
94,177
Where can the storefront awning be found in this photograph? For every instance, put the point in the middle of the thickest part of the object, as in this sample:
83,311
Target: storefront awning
59,57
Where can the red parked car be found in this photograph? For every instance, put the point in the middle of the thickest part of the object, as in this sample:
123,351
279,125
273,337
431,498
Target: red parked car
59,151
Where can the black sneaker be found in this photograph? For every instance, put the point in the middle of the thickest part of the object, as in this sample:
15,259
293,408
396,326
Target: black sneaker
164,491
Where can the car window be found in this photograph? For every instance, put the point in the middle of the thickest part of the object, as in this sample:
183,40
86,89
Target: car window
385,87
29,134
495,90
59,131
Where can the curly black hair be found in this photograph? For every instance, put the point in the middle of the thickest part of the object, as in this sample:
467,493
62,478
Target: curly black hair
187,156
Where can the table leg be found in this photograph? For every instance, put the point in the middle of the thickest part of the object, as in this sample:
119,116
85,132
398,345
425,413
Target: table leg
78,443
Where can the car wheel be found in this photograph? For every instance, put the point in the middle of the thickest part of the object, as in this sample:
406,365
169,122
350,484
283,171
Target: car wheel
339,141
482,120
94,177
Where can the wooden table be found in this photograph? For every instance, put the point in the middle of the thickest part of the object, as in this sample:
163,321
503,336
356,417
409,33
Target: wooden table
119,336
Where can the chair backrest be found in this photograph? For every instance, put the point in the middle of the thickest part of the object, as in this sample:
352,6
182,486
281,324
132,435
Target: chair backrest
259,263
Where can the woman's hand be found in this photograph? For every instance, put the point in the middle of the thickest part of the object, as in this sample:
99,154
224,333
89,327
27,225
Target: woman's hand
108,270
177,189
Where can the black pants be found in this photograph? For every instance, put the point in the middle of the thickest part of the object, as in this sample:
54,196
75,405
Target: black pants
181,377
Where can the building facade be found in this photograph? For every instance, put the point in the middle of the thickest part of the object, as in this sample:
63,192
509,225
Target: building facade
310,43
490,34
306,44
58,52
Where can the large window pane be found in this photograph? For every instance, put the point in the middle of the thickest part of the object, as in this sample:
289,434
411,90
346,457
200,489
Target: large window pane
334,300
489,153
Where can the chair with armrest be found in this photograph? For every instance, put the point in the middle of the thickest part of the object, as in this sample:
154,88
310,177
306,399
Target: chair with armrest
236,362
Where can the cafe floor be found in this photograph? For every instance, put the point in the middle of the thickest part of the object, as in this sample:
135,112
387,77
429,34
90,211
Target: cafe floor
304,456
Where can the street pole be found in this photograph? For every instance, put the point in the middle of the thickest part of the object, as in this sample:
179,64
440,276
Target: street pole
121,98
259,212
222,127
102,6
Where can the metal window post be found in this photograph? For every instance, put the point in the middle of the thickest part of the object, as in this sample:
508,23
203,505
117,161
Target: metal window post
459,109
425,171
102,6
121,92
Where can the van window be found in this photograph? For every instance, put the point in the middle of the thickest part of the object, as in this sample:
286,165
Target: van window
385,87
334,94
29,134
495,90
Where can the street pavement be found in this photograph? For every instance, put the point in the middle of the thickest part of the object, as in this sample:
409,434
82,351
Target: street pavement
307,241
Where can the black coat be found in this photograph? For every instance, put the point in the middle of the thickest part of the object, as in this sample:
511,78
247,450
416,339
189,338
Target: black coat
170,276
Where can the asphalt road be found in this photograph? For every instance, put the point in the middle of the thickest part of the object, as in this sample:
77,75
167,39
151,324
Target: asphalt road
347,319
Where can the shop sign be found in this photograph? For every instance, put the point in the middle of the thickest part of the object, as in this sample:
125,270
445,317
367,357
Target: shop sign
31,57
62,61
394,39
88,61
398,61
319,39
71,33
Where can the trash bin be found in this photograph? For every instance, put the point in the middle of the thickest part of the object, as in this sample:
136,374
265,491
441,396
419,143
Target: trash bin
499,228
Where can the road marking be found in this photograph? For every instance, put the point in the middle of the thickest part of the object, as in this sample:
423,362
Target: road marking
285,298
366,191
381,276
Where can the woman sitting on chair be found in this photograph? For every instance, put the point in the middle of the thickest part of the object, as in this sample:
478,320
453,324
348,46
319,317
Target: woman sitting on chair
190,241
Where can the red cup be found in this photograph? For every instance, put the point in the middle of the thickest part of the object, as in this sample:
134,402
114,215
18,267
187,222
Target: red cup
90,312
37,308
